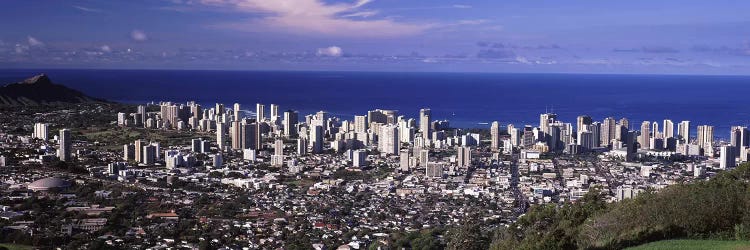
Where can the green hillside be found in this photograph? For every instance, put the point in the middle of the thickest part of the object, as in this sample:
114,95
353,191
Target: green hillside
694,245
717,209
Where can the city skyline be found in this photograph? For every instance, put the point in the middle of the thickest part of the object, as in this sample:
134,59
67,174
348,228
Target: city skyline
666,37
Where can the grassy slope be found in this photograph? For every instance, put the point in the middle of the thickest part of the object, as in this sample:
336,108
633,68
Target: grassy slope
16,246
693,245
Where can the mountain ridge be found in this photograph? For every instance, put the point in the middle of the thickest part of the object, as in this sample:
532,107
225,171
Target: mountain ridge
40,90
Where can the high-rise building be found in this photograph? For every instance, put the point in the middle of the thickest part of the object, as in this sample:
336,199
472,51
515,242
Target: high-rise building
359,158
219,109
388,142
259,129
278,153
149,154
360,124
736,134
128,151
41,131
495,135
705,137
463,156
596,131
404,160
727,158
139,150
668,129
583,121
142,114
683,131
625,123
221,135
544,125
424,157
316,139
433,170
645,138
195,145
425,119
655,130
609,128
301,146
290,123
631,150
65,145
585,139
236,134
274,113
237,116
260,110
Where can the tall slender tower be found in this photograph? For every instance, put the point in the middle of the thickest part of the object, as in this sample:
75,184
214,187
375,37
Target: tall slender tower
316,139
388,141
683,131
260,112
668,129
65,145
274,113
290,121
645,138
705,136
425,119
495,135
609,128
237,112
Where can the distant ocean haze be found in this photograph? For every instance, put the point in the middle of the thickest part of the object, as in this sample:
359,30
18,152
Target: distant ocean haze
466,99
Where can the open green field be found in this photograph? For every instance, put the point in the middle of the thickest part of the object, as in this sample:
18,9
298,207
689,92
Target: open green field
16,246
694,245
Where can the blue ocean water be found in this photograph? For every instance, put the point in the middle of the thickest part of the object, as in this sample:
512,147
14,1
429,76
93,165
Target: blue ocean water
466,99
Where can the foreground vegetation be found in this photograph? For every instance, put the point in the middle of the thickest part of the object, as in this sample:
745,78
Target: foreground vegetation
693,245
717,209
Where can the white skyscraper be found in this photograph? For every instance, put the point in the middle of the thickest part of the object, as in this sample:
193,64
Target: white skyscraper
388,142
278,153
495,135
727,158
41,131
705,137
221,135
237,112
360,124
260,112
683,131
65,145
645,138
463,155
668,129
359,158
274,113
425,120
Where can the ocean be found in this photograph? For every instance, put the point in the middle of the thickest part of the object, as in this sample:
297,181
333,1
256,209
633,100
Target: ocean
467,100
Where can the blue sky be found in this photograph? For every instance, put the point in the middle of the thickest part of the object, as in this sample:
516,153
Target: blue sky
636,36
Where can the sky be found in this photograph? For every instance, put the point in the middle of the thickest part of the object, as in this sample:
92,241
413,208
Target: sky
542,36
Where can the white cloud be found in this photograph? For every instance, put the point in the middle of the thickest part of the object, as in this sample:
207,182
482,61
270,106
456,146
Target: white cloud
34,42
461,6
473,21
105,48
81,8
334,51
314,17
20,48
138,35
363,14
